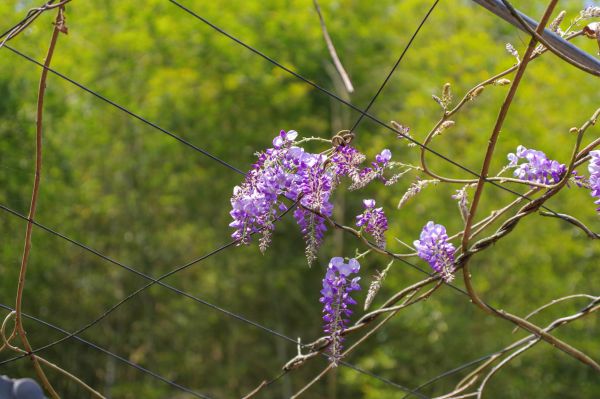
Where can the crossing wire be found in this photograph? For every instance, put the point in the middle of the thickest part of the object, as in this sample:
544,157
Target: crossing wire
111,354
389,75
187,143
152,282
352,106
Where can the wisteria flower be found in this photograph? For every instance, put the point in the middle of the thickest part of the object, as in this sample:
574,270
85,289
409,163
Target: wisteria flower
374,221
434,248
594,182
383,157
346,160
284,171
537,168
336,300
314,185
284,138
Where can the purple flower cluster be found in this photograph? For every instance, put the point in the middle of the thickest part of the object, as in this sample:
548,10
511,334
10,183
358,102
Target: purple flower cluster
288,171
374,222
346,160
368,174
314,184
336,301
284,171
594,182
537,168
254,203
434,248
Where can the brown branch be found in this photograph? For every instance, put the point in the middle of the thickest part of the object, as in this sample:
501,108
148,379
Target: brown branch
554,302
29,18
53,366
524,343
58,27
469,96
478,191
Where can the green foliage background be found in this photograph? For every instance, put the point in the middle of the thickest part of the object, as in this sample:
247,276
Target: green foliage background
140,197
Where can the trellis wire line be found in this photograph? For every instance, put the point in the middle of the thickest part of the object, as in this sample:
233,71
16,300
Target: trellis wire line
383,379
127,111
378,121
111,354
194,147
389,75
415,391
147,277
153,281
361,115
237,170
152,124
341,100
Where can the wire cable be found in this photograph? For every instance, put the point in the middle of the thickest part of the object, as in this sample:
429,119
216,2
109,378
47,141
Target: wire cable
111,354
127,111
341,100
389,75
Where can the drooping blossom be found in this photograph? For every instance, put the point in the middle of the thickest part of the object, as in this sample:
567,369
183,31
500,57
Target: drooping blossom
594,182
434,248
336,300
374,221
346,160
314,185
255,202
287,171
537,167
375,171
284,171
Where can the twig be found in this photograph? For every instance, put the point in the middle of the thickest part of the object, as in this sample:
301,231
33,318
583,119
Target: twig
481,181
336,61
469,96
53,366
573,221
553,302
29,18
537,35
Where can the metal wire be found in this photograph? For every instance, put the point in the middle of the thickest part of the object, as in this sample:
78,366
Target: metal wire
111,354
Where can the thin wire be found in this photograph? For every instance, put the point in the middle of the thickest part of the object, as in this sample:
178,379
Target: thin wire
363,113
416,390
131,113
191,145
157,281
389,75
238,170
341,100
152,282
383,379
111,354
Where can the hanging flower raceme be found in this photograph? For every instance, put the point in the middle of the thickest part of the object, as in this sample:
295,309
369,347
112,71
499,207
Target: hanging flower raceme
288,171
314,185
346,160
374,221
594,182
254,203
434,248
537,168
336,301
284,171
